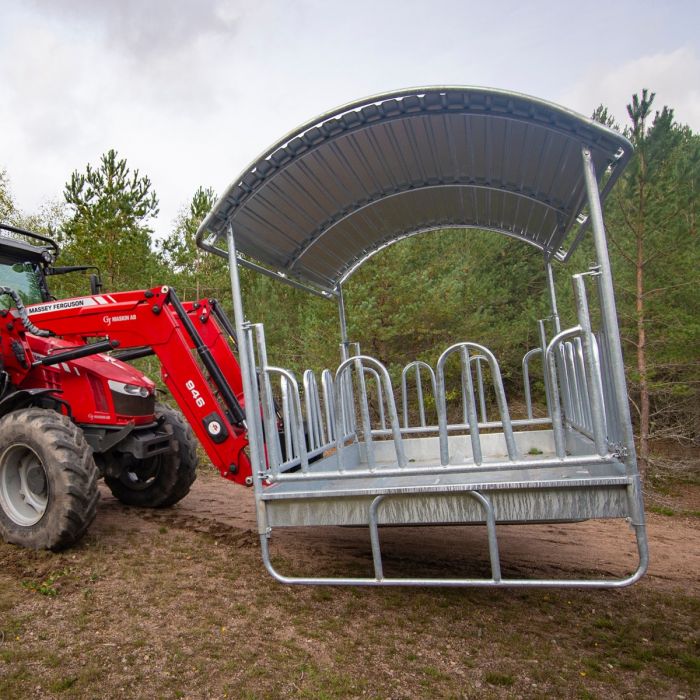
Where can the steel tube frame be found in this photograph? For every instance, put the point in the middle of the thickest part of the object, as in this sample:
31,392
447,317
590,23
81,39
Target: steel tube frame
462,348
552,295
496,576
526,378
593,384
417,365
495,466
608,310
617,367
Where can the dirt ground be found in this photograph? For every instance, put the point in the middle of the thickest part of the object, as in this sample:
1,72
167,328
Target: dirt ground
608,547
176,603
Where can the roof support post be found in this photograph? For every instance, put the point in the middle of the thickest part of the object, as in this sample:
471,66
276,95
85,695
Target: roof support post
552,295
343,324
247,372
608,310
346,387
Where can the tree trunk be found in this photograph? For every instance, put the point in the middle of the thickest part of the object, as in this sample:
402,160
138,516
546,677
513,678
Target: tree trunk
642,360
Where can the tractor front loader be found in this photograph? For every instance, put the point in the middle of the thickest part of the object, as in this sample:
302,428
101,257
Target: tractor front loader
72,410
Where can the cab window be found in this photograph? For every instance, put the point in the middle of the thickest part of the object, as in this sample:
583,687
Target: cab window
23,278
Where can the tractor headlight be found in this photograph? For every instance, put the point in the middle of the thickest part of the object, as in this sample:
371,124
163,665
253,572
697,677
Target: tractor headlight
128,389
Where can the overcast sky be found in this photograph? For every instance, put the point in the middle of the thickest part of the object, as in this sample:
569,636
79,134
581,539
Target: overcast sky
190,91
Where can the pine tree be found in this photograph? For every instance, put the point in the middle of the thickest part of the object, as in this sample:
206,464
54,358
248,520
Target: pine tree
111,207
194,272
652,229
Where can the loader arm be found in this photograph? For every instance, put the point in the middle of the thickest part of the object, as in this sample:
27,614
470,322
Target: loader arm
197,363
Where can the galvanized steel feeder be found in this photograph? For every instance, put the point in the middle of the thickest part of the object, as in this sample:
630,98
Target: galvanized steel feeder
324,199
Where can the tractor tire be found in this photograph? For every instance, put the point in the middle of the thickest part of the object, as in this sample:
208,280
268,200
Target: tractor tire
162,480
48,480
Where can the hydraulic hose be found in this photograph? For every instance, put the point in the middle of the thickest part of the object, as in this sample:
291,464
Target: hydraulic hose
31,328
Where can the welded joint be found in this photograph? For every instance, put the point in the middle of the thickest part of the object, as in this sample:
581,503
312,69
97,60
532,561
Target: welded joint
619,451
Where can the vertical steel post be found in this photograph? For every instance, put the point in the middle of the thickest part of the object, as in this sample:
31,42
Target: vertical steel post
526,378
480,384
274,454
419,392
548,394
247,374
470,402
364,413
346,381
343,325
612,414
608,310
592,369
617,367
552,295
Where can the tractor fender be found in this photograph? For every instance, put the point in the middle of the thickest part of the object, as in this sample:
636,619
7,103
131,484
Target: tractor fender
21,399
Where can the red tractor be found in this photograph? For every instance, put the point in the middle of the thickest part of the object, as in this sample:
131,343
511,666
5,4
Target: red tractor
72,410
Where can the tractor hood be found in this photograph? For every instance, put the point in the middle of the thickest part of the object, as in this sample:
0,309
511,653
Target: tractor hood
103,365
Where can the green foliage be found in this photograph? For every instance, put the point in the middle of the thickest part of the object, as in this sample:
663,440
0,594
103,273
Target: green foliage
416,298
602,115
652,227
179,248
194,273
413,300
47,587
110,208
7,207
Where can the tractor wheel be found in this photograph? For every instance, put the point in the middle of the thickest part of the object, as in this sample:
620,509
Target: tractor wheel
48,480
162,480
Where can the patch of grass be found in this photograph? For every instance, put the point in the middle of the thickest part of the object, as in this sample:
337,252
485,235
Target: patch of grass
12,681
504,680
61,684
604,623
46,587
662,510
434,673
630,664
691,662
535,451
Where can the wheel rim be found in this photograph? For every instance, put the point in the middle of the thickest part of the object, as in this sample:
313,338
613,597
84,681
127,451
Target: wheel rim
24,487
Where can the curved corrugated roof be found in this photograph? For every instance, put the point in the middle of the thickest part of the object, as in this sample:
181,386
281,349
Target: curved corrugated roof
327,196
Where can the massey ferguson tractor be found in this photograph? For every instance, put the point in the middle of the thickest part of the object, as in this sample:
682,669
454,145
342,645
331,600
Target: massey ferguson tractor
72,410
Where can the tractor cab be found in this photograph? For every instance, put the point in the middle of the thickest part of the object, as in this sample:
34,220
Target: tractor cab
23,265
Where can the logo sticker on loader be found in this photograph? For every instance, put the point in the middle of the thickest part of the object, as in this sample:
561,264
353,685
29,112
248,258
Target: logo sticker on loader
60,305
